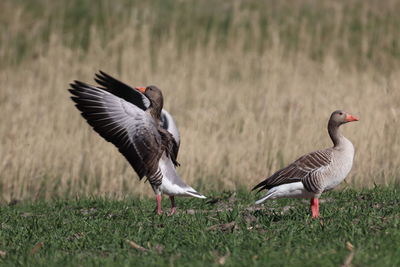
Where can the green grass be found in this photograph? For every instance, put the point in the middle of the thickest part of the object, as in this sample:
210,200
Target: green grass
93,231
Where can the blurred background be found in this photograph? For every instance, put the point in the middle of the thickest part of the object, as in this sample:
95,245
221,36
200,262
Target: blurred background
250,83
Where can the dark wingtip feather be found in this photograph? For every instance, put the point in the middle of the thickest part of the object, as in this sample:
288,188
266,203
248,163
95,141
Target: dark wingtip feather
258,186
261,189
100,76
103,73
78,86
101,82
107,80
74,87
81,84
75,99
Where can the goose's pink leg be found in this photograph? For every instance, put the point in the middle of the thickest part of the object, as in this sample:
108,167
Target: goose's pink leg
314,207
158,209
173,207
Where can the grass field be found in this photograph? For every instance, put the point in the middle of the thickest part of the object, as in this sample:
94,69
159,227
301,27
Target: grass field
251,85
358,228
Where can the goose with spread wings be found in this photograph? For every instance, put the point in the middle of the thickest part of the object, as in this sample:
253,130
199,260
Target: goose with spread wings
133,120
316,172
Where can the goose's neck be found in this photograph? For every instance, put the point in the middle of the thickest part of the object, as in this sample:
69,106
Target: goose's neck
155,110
335,134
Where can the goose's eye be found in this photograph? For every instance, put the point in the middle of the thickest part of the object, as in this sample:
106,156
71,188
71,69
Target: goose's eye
340,113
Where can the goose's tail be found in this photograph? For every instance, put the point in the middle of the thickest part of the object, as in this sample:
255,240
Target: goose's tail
268,195
172,183
193,193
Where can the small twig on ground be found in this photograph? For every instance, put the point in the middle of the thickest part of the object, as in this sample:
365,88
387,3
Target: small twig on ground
222,260
223,227
349,258
36,248
136,246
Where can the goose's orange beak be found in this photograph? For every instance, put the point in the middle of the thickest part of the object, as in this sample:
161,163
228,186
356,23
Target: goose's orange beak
141,89
351,118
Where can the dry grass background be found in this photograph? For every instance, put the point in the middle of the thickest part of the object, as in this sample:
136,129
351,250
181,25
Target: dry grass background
250,91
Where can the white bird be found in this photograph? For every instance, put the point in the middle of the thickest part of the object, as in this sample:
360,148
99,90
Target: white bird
316,172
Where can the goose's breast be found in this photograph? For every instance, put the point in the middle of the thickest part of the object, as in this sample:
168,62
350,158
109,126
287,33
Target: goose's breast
340,167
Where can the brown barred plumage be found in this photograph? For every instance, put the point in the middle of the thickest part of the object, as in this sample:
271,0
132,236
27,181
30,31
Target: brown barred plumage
302,170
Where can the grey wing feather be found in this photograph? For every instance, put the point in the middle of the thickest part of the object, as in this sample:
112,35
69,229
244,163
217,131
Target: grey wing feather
122,123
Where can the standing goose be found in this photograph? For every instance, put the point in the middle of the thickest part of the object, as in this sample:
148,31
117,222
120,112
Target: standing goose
316,172
131,119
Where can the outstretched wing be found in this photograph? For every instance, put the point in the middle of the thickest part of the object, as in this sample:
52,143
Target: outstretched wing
298,171
126,92
120,89
122,123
